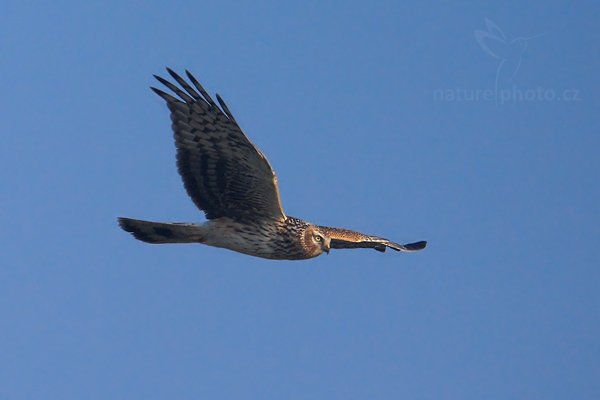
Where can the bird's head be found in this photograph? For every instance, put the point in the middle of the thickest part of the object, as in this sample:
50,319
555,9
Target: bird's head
315,241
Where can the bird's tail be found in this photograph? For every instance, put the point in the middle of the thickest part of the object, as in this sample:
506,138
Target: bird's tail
160,232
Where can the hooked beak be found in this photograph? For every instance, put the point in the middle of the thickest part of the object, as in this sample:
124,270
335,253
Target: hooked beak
327,246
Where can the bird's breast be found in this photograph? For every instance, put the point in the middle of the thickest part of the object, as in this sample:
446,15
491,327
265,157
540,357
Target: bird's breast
259,239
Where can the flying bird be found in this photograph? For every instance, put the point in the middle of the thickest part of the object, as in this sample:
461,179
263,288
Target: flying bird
229,179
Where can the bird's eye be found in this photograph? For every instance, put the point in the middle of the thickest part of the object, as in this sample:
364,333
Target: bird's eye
318,238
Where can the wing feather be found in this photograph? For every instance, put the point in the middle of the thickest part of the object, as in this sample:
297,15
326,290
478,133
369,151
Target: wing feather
348,239
222,170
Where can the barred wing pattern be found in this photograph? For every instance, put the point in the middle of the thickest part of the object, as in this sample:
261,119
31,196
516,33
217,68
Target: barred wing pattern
222,171
347,239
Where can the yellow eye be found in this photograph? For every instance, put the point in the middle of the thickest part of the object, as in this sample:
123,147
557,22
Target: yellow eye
318,238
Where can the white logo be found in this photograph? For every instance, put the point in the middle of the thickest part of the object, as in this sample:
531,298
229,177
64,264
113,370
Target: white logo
509,53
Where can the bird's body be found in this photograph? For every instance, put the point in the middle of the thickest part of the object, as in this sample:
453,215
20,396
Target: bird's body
233,183
282,240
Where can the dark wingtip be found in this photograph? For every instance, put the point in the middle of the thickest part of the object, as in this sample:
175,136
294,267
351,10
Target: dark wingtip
416,246
165,96
174,74
125,224
157,91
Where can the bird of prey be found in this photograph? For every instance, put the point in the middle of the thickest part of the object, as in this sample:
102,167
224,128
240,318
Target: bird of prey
229,179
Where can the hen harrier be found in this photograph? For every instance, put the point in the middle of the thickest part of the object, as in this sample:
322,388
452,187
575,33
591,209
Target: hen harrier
229,179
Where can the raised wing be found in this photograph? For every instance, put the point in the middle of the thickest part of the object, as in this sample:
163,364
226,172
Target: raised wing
222,171
347,239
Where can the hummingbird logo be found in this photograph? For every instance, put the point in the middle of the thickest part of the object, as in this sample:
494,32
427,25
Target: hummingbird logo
509,53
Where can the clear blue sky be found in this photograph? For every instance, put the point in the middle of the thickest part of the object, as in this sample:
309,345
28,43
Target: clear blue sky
376,116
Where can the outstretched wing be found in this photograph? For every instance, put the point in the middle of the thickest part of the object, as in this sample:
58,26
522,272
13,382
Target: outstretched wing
347,239
222,171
